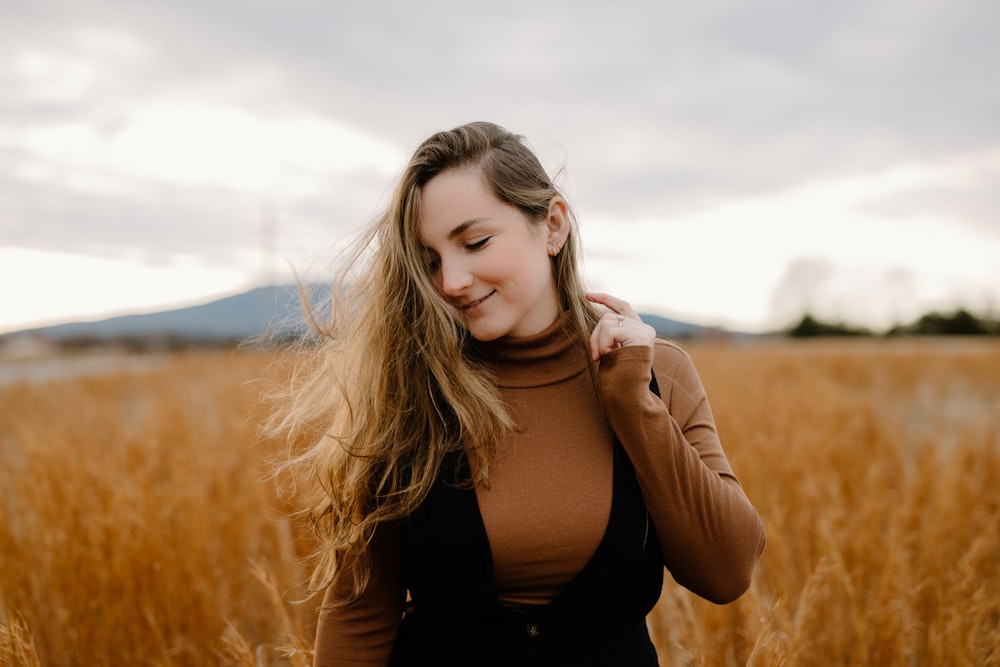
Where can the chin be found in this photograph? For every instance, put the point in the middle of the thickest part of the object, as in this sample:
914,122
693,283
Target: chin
486,336
485,333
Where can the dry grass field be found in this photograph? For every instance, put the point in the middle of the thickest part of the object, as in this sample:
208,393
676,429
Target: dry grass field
135,527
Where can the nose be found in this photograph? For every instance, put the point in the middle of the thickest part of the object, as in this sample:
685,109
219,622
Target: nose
454,277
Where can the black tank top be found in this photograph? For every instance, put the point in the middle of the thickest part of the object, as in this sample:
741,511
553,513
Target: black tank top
455,617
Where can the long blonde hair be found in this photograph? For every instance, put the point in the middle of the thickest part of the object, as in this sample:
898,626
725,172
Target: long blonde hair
390,390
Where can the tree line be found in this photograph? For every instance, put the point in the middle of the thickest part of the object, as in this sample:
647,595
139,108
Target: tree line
958,323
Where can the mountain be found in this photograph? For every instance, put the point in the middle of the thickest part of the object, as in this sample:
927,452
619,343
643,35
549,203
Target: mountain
668,328
270,310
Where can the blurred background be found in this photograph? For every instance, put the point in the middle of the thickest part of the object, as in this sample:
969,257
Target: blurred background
809,167
732,164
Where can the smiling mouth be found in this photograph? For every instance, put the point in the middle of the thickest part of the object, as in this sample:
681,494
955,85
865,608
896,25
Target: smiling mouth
472,305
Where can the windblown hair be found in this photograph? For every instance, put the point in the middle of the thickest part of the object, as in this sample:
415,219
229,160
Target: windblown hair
391,389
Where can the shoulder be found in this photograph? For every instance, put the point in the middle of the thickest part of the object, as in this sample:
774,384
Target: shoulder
669,357
675,372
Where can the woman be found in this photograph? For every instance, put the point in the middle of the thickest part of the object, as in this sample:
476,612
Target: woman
506,463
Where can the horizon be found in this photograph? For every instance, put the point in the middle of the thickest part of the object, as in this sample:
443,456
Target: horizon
676,318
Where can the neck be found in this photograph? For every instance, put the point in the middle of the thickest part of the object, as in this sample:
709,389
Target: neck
550,356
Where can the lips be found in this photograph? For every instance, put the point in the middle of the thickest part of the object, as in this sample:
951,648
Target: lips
472,305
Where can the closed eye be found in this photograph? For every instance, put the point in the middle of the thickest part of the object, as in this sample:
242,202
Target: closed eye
478,245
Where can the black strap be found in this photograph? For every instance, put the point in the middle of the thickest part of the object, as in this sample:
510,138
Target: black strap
653,387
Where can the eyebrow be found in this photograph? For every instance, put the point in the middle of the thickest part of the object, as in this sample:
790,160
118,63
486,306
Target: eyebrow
464,226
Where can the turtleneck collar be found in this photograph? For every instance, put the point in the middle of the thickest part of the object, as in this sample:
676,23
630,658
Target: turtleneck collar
541,359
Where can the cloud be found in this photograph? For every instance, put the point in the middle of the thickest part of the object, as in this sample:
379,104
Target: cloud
815,246
190,143
170,127
968,198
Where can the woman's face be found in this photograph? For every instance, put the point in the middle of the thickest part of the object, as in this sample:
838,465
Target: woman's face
486,258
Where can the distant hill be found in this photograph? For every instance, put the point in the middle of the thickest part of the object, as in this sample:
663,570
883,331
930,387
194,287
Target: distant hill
271,309
668,328
274,309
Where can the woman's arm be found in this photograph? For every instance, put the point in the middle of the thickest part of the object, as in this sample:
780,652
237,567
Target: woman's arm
362,633
710,534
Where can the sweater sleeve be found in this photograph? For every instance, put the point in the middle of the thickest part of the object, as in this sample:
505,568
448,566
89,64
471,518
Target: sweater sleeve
362,633
710,534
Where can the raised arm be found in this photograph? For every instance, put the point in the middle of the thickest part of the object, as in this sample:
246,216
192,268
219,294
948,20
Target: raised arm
710,534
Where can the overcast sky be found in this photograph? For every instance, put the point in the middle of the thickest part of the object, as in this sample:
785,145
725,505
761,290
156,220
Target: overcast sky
730,162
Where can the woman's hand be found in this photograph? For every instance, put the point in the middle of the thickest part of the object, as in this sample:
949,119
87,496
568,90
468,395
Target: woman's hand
621,327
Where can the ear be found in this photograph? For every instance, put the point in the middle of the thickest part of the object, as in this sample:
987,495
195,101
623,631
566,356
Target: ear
557,225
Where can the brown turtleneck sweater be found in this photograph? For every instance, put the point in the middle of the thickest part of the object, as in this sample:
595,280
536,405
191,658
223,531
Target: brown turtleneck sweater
549,494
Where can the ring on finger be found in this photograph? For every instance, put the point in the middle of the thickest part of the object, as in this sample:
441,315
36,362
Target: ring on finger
621,318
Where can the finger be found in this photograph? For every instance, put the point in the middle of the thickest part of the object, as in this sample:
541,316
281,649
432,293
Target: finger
614,330
600,338
608,334
601,342
613,304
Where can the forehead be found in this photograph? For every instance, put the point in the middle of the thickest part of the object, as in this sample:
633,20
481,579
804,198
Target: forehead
454,198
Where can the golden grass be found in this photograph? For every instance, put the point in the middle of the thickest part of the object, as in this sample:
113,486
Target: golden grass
135,528
876,468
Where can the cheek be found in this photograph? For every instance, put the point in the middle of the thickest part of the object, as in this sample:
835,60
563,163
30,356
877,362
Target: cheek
536,272
526,266
498,267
